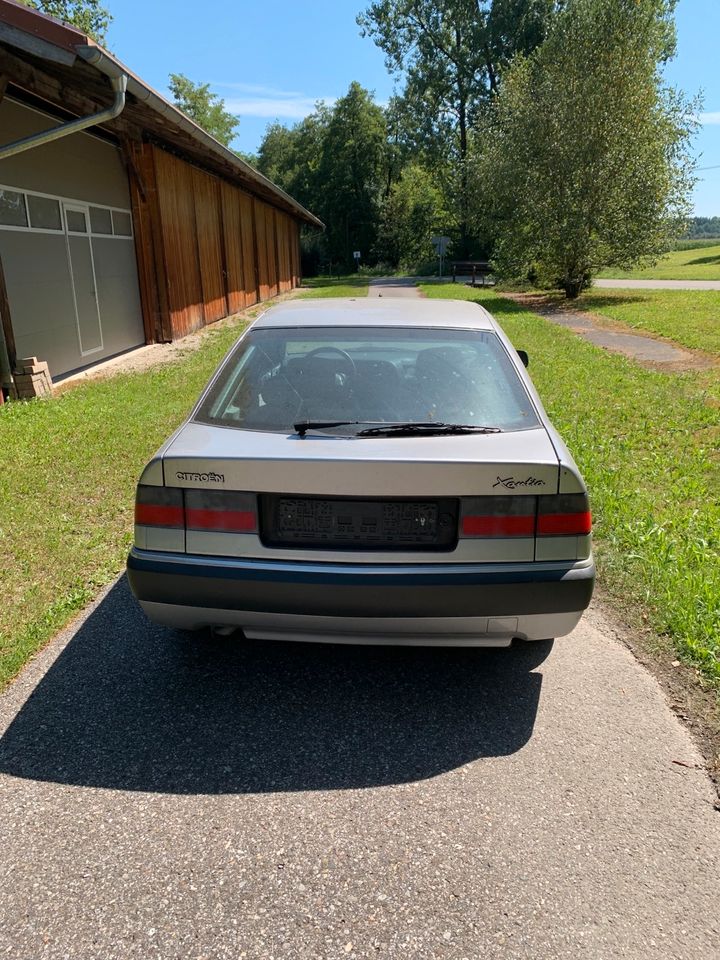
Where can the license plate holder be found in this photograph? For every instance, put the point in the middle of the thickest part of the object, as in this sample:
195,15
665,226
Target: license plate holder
345,523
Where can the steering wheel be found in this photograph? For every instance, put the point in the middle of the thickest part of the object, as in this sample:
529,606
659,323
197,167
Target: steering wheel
348,360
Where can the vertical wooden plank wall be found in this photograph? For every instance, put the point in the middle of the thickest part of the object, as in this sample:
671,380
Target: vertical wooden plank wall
179,237
263,269
205,248
208,223
271,240
249,253
284,233
232,240
148,245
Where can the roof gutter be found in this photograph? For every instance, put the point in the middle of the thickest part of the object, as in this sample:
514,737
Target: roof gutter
106,64
119,85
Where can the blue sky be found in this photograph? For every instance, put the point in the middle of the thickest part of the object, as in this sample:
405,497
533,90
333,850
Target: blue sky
274,62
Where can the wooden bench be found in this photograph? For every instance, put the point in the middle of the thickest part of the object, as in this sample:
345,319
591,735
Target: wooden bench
473,268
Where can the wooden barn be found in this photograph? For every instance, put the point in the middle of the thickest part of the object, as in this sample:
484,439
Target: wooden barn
121,221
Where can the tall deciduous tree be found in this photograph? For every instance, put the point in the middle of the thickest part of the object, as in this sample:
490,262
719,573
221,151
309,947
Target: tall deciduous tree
452,53
205,108
412,213
585,163
291,156
87,15
351,174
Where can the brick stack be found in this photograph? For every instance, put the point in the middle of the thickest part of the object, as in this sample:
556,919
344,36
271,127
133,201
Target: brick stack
34,380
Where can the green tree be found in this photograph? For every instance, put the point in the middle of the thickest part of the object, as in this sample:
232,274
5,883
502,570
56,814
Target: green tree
205,108
452,53
335,162
87,15
277,156
351,175
412,213
290,156
585,163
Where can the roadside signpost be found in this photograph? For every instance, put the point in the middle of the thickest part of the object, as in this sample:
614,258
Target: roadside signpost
441,244
356,254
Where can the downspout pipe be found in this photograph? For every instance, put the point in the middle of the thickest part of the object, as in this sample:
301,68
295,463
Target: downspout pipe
119,85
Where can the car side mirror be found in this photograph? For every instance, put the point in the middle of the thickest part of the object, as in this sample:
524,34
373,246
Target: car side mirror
524,357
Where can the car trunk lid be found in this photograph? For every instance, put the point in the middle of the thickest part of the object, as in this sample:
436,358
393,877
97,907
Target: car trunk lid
512,463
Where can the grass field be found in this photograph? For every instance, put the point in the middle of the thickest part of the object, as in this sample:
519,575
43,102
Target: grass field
70,465
698,244
698,263
649,452
689,317
349,286
648,445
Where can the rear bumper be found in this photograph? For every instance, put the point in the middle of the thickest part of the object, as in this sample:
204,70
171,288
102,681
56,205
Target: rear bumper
351,599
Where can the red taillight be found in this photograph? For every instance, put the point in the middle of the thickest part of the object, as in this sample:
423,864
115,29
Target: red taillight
209,510
159,507
564,524
221,511
565,515
478,526
498,517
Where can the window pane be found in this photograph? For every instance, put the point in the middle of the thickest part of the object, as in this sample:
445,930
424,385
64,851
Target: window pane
374,374
76,221
44,213
121,224
100,220
12,209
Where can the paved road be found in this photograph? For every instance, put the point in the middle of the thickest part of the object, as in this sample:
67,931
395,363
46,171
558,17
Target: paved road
658,284
393,287
168,798
634,345
172,799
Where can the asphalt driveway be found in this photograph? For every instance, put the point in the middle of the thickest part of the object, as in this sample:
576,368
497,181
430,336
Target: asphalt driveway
163,797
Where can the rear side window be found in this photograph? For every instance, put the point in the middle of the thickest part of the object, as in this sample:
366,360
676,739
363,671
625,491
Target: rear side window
277,377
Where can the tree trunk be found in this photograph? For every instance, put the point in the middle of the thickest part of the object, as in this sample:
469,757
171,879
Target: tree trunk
462,127
572,288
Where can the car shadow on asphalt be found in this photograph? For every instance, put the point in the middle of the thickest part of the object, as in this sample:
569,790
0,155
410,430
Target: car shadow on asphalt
130,705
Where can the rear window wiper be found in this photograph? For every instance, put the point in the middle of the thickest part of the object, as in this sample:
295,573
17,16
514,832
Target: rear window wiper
303,426
428,429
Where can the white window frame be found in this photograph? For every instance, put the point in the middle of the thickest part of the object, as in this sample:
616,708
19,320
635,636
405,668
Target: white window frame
23,194
82,208
62,201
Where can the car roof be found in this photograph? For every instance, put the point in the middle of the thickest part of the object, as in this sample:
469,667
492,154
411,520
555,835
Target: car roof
377,312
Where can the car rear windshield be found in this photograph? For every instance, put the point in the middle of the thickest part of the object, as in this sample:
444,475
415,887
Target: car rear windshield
278,377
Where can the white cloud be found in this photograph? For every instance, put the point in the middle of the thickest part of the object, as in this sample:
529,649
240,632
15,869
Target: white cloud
293,107
709,118
256,88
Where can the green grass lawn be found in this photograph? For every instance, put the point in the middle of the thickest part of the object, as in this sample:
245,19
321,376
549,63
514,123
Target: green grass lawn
648,445
70,465
689,317
698,243
700,263
348,286
67,484
646,442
